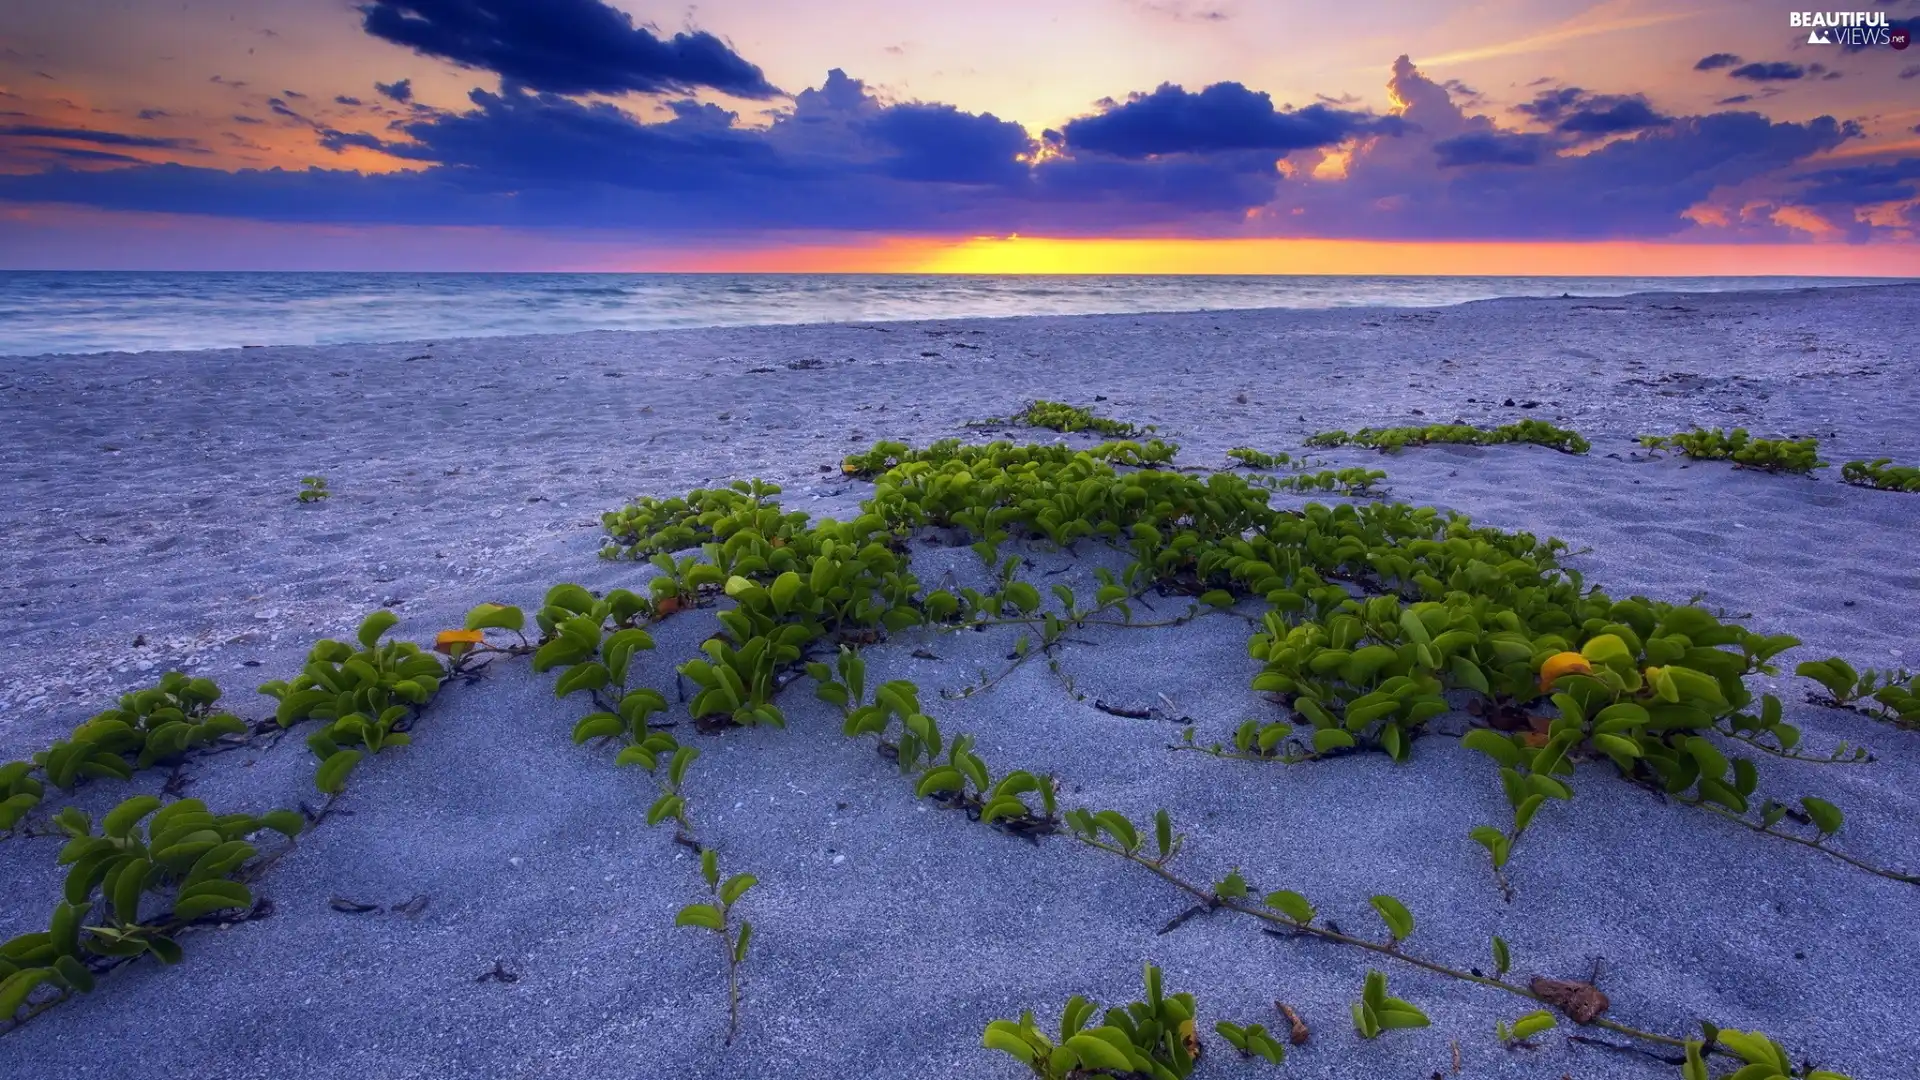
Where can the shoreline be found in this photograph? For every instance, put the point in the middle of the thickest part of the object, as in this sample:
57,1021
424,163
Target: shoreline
1644,294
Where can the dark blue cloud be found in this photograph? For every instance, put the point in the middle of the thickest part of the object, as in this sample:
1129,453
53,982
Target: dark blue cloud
1490,148
1863,185
1769,71
153,114
400,90
1549,105
1716,61
106,157
563,46
1223,117
342,99
98,138
1573,111
1611,116
939,143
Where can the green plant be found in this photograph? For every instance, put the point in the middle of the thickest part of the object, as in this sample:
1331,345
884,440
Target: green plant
313,489
1394,439
1773,455
717,916
1252,1040
367,696
1524,1028
1375,1012
20,792
1764,1058
1291,914
1060,416
1894,694
1153,1037
1256,459
147,727
960,779
1335,481
180,852
1882,474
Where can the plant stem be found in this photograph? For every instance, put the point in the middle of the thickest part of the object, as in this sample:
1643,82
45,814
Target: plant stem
1207,897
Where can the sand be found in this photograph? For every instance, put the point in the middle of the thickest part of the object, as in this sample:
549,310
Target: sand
148,505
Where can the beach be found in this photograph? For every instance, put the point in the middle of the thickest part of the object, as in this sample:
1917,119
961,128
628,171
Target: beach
150,505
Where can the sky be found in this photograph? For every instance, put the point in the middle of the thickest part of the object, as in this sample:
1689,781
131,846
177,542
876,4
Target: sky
1136,136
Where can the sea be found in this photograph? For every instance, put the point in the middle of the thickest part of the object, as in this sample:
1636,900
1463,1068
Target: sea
54,312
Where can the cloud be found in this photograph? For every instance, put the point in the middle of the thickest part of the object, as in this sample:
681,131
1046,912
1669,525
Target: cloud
564,46
1769,71
99,138
1863,185
840,157
1716,61
1223,117
1490,148
343,99
400,90
1910,72
1573,111
152,114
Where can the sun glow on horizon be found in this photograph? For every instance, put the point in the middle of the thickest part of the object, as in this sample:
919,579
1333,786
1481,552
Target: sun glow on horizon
1050,255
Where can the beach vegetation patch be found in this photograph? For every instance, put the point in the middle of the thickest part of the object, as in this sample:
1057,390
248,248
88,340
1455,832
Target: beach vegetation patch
313,489
1890,695
1062,417
1393,439
1151,1037
1881,474
179,858
367,696
1798,456
1250,458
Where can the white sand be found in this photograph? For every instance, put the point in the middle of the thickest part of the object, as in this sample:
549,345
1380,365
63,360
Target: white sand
152,496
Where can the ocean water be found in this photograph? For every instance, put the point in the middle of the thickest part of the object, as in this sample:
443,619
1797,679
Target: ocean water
43,312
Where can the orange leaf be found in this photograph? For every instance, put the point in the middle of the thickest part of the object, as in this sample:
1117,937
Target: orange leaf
449,641
669,605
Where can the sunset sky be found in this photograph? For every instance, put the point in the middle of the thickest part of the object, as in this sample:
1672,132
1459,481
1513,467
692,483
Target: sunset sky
1138,136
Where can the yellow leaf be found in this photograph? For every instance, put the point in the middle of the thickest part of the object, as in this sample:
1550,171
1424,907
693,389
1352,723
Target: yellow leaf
1562,663
454,642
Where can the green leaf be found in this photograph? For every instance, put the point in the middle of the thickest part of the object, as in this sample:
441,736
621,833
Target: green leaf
941,778
1502,958
496,617
1291,904
598,725
1395,914
1826,816
735,887
1163,832
1493,744
121,819
704,916
1327,740
740,942
331,777
375,625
